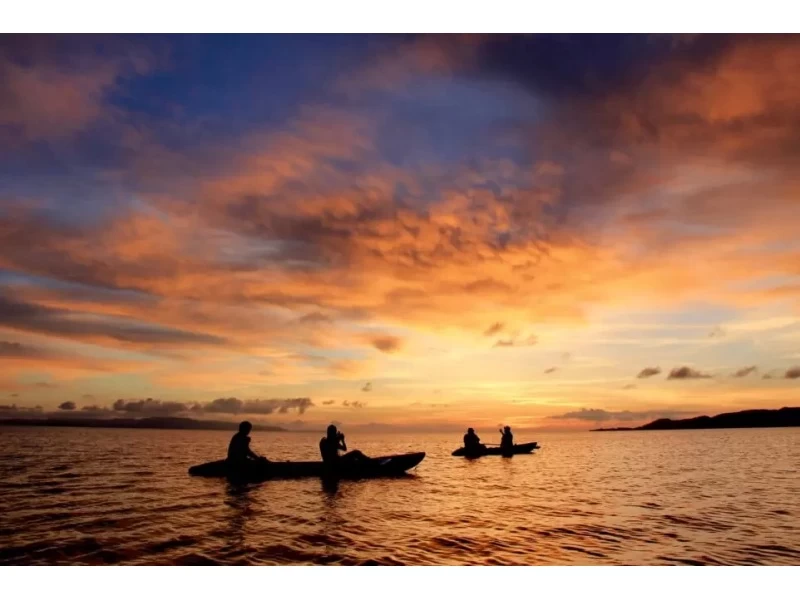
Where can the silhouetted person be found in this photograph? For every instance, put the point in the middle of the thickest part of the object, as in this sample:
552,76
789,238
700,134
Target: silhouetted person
507,441
239,451
332,443
472,443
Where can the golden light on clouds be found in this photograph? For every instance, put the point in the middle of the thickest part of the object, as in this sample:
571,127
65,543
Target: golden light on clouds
440,221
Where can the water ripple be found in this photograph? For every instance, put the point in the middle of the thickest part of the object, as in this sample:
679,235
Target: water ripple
679,498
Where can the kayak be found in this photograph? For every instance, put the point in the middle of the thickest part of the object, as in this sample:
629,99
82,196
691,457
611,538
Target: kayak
376,467
519,449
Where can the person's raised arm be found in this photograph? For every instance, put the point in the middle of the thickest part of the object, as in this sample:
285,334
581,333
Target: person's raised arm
342,443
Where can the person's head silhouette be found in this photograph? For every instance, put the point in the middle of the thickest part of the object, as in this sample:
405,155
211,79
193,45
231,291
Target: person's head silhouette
245,427
332,431
470,431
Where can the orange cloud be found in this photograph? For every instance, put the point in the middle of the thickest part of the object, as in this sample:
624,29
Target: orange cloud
64,362
393,68
44,102
42,98
309,239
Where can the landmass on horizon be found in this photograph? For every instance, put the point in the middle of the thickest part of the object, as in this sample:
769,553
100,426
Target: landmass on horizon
786,417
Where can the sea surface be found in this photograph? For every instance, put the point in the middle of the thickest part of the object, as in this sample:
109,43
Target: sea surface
95,496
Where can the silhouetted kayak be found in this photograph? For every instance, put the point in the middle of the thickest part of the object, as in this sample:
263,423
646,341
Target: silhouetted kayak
519,449
377,467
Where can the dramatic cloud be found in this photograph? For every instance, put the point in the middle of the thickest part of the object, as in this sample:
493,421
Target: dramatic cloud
233,405
649,372
744,372
331,402
31,317
225,405
436,193
367,387
38,357
149,407
686,373
67,406
792,373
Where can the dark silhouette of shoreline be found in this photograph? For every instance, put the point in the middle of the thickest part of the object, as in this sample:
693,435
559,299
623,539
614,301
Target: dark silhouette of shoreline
157,423
786,417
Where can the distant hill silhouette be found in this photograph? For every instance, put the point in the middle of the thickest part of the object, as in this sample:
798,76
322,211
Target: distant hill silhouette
159,423
785,417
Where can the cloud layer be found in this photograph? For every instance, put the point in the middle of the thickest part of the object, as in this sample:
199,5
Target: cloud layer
450,212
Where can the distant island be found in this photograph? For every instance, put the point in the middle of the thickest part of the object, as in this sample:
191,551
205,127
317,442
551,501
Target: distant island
785,417
156,423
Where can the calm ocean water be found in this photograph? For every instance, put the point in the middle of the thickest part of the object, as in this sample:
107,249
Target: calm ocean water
93,496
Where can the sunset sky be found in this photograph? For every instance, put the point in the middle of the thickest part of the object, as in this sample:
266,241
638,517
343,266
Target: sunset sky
544,231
